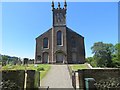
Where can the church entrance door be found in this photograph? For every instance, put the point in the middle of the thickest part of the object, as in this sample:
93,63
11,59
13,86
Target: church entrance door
60,58
45,57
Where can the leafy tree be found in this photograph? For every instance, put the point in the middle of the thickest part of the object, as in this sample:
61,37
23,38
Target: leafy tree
116,56
103,54
91,61
5,58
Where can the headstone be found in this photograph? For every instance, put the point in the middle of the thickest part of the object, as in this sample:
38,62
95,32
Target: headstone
25,61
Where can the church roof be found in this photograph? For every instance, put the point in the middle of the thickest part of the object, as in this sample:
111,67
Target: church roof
44,33
69,29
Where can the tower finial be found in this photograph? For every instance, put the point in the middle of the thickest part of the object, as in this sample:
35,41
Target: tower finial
59,5
65,5
52,5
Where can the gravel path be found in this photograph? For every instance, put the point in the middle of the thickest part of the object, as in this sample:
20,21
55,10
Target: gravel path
57,77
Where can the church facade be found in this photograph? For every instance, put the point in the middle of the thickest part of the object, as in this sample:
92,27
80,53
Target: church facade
60,44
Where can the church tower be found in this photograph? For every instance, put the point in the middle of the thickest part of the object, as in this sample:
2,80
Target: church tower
59,49
59,14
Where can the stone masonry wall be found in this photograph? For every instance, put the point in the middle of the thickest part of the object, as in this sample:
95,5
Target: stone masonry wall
97,74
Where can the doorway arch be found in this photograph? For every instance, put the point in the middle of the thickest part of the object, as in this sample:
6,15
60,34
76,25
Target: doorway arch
45,57
60,57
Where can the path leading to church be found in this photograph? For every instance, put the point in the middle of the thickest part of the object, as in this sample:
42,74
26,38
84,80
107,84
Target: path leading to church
57,77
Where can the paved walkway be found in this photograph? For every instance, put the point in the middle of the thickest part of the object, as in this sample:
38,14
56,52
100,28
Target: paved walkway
57,77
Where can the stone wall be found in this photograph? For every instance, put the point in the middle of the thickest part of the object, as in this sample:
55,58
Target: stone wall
14,76
79,48
97,74
18,77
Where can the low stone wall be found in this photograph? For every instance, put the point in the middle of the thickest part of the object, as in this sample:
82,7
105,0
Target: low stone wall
20,79
97,74
14,76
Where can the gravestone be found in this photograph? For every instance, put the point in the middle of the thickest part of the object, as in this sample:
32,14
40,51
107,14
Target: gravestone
25,61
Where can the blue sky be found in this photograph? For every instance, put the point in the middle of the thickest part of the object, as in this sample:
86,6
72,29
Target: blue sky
22,22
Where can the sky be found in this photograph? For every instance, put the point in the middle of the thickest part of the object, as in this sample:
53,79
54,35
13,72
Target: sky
22,22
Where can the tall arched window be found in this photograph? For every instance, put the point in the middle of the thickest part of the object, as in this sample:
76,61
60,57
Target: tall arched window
59,38
45,42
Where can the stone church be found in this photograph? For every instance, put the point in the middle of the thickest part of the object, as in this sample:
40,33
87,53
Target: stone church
60,44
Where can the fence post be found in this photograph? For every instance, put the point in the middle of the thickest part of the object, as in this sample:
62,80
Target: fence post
81,79
25,82
73,79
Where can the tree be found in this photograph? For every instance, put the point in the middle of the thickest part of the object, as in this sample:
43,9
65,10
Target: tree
91,61
116,56
4,60
103,54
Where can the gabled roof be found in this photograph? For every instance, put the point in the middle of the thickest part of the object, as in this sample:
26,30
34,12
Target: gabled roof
68,29
73,32
44,33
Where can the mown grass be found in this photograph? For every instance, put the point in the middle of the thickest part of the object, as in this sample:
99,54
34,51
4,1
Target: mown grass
75,67
42,68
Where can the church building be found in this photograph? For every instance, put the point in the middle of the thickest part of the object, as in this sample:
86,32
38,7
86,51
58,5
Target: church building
60,44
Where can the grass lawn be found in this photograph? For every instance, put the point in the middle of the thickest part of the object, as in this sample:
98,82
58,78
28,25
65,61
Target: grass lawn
75,67
42,68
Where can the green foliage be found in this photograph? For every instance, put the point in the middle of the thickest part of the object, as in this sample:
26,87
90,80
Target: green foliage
91,61
5,59
75,67
42,68
102,54
105,55
116,56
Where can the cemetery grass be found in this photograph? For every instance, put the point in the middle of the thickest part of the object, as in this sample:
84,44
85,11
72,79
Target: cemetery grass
75,67
42,68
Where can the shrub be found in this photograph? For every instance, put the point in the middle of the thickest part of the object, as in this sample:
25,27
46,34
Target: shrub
40,69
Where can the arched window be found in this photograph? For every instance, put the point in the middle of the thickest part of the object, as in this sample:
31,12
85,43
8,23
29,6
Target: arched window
73,42
59,38
45,42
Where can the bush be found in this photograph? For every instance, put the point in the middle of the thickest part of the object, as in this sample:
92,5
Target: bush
40,69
